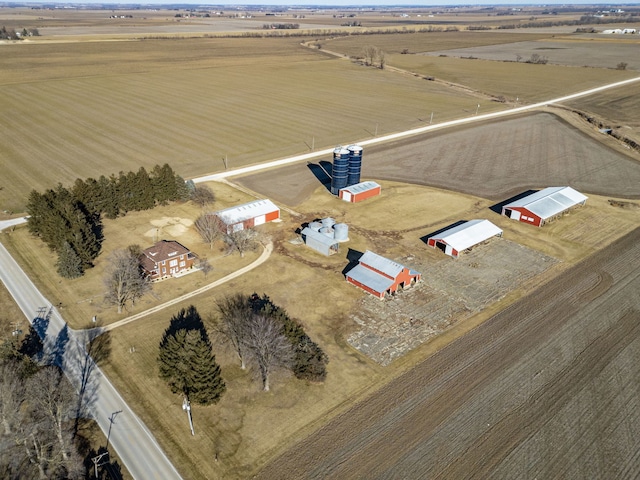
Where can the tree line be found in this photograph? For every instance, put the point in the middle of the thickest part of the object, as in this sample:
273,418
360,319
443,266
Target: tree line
68,220
42,433
262,334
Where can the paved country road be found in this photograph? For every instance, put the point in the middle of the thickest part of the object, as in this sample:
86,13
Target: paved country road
132,441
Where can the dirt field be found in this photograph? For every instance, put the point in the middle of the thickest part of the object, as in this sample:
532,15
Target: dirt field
501,158
546,389
590,51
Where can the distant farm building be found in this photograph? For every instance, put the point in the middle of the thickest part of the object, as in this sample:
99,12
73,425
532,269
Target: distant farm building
456,240
248,215
543,206
166,258
325,235
360,191
378,275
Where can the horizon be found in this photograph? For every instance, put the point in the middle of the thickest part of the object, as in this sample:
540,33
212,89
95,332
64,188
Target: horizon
319,4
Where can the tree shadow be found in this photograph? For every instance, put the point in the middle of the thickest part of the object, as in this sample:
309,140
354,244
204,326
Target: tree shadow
56,355
32,345
322,171
497,208
94,348
186,319
438,232
353,256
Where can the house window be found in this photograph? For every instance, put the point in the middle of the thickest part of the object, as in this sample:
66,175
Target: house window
164,270
173,263
182,264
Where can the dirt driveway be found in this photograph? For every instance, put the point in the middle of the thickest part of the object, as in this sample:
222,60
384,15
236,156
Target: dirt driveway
493,160
547,388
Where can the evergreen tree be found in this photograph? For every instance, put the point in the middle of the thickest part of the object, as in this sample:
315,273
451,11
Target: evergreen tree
69,264
108,196
187,364
164,184
143,189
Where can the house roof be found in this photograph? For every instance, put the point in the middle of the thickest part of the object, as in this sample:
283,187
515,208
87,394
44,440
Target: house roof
384,265
243,212
319,237
373,280
549,202
361,187
468,234
163,250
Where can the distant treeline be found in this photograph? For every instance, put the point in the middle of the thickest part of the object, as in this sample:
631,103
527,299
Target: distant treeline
11,34
69,220
584,20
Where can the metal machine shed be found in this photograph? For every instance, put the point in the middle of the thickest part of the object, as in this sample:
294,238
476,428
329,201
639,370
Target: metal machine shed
544,205
248,215
319,241
360,191
378,275
461,237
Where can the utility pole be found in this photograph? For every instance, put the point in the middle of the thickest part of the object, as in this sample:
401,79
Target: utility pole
96,462
431,119
477,109
186,406
376,134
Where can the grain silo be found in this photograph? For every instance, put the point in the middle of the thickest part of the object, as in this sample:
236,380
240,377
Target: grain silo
355,164
328,222
340,169
341,232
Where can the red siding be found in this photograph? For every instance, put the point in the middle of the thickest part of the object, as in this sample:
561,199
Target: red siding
366,194
536,220
365,288
269,217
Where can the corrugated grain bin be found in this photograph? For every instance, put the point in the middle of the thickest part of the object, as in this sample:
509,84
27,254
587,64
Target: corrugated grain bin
341,232
340,169
355,164
328,222
328,231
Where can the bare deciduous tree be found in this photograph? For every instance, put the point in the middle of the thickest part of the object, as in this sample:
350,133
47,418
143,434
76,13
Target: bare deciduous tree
202,195
242,240
208,226
11,397
267,347
47,435
205,266
235,315
369,53
124,280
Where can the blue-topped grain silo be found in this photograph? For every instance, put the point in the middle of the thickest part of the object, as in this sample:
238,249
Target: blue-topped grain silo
340,169
355,164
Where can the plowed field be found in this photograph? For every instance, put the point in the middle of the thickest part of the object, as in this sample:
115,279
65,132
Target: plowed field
548,388
493,160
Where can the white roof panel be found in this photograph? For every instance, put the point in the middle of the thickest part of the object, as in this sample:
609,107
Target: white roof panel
384,265
361,187
549,201
468,234
243,212
373,280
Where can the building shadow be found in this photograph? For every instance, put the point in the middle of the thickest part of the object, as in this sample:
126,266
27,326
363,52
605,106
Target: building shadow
353,257
497,208
438,232
322,171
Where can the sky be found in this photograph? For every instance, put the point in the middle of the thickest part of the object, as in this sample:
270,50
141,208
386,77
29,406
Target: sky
340,3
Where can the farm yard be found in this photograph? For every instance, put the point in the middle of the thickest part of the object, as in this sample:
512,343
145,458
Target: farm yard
450,292
513,360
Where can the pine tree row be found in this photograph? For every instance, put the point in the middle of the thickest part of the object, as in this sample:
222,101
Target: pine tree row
69,220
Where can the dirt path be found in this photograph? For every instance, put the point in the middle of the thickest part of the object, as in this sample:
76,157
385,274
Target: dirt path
548,388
